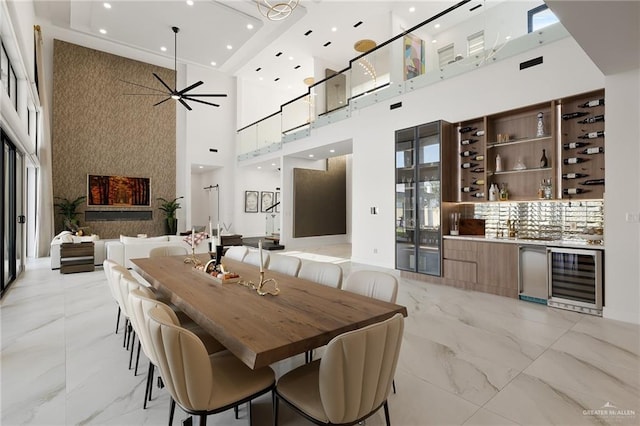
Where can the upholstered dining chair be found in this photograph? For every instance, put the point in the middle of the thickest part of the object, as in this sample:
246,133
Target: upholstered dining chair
109,266
140,302
200,383
236,252
170,250
124,285
253,258
325,273
288,265
374,284
350,382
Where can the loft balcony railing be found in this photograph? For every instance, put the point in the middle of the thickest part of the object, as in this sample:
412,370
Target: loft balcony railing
411,60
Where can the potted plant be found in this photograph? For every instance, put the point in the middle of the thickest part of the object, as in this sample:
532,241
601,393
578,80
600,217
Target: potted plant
169,208
68,210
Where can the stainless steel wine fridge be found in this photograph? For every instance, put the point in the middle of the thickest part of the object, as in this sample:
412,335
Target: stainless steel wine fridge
575,279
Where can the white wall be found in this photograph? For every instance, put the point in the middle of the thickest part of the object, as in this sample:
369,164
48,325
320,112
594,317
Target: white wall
622,196
257,101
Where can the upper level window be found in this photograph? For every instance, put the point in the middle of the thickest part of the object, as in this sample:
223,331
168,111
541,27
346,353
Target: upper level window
540,17
445,55
475,43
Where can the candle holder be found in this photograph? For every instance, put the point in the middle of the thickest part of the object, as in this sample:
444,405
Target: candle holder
192,259
260,287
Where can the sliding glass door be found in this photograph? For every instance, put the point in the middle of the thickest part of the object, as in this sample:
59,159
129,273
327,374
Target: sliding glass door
12,187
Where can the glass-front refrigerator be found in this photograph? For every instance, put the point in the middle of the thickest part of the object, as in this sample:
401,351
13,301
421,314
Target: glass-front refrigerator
419,198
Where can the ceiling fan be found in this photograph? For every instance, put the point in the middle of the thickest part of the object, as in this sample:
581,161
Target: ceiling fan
173,93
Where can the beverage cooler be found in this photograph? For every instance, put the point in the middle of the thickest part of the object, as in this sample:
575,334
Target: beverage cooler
575,279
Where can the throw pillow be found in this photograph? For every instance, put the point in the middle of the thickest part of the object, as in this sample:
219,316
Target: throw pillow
197,238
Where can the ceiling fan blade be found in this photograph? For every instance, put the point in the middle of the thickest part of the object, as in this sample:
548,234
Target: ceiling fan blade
199,101
163,83
140,85
185,104
193,86
210,95
145,94
162,101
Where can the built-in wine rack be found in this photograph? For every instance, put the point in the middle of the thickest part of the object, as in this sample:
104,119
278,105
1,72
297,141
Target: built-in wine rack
472,160
582,146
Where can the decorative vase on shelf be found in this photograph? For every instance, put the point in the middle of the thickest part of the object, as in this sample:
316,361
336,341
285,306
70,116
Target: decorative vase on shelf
540,129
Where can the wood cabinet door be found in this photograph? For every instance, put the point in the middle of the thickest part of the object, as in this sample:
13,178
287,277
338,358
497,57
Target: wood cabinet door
498,265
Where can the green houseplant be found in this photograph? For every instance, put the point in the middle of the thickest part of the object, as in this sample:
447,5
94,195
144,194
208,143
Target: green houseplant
169,208
68,210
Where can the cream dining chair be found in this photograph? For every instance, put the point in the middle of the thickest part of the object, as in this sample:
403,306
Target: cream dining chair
236,252
109,266
288,265
170,250
253,258
202,384
325,273
350,382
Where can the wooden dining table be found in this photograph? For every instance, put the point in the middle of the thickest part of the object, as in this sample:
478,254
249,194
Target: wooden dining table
261,330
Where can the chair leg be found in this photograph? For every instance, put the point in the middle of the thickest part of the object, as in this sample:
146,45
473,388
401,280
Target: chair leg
393,383
249,413
126,323
386,413
274,397
133,345
118,320
172,409
146,389
135,372
235,411
151,380
203,420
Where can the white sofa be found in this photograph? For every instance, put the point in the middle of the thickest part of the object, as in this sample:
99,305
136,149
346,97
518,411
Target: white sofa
99,250
127,248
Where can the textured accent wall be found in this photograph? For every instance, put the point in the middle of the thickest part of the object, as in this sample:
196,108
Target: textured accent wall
320,200
97,129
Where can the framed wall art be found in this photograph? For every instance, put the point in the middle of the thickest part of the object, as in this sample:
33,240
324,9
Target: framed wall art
413,56
251,201
266,201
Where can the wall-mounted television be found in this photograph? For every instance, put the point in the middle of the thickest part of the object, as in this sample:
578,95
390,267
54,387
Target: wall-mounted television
118,191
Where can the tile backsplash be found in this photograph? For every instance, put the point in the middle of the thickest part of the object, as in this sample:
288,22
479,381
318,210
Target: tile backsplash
565,220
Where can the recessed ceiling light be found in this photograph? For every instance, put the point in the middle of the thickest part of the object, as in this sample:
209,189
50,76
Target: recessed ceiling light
103,31
332,151
190,2
310,155
229,47
508,37
437,26
213,63
434,41
249,26
291,58
164,49
259,167
412,9
201,167
273,164
107,5
260,78
334,29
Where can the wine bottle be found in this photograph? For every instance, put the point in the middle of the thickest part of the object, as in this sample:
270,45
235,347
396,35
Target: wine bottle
468,165
543,160
592,135
478,195
467,153
478,133
479,157
478,182
478,170
570,115
467,129
594,119
573,191
574,175
574,160
468,141
573,145
591,104
593,182
592,150
468,189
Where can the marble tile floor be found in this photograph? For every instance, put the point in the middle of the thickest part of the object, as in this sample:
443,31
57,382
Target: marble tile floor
467,359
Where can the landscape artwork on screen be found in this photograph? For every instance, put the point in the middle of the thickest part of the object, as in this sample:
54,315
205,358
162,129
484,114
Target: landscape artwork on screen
118,191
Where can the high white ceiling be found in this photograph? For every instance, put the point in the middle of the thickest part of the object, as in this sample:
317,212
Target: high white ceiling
207,27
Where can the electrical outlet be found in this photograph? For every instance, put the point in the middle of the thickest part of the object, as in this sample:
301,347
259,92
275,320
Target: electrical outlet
633,217
375,251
